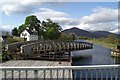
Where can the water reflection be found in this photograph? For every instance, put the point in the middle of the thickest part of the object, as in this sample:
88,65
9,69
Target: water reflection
97,56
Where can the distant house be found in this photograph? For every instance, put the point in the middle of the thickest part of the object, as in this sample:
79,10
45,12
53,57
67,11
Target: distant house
29,35
1,39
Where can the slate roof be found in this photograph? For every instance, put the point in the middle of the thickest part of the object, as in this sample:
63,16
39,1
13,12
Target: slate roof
31,32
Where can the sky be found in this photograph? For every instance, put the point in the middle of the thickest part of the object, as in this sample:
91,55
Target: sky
90,16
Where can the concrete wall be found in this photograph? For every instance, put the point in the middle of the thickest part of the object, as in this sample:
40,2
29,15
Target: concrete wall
33,37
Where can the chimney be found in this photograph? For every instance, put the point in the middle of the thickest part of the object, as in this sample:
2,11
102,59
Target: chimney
34,29
27,27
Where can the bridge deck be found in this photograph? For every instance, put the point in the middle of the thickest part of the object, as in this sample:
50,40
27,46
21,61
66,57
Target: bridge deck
33,63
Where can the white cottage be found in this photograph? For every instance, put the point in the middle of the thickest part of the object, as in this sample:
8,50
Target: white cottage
29,35
1,39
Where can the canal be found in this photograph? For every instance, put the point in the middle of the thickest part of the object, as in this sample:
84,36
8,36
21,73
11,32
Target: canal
97,56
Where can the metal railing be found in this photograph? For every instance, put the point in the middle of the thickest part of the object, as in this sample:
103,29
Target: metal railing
93,72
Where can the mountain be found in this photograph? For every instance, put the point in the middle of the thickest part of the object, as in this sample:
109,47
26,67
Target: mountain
80,32
103,33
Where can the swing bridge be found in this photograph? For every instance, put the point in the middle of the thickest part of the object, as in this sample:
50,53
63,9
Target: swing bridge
54,62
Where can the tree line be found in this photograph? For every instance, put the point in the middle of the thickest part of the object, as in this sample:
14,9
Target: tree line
47,29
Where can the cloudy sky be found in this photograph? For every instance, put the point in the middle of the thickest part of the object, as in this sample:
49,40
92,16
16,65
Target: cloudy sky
91,16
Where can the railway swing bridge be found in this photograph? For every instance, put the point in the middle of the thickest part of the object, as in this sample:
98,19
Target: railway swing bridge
46,50
53,50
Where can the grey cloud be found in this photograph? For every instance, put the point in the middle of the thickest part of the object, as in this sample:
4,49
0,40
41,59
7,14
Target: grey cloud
101,15
19,7
101,19
67,21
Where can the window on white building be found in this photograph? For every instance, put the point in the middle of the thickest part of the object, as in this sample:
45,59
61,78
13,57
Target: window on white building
22,34
25,34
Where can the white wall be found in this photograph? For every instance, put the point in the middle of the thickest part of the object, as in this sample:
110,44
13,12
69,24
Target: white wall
1,39
28,36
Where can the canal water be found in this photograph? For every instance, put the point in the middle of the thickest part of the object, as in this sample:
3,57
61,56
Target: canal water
97,56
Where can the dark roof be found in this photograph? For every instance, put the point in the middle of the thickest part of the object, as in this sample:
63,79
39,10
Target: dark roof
32,32
4,37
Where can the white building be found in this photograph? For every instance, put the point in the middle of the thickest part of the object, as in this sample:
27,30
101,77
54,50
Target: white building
29,35
1,39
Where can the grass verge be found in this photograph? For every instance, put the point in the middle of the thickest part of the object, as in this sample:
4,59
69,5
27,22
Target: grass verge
103,43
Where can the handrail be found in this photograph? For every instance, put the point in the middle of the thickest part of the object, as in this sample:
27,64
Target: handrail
57,67
104,71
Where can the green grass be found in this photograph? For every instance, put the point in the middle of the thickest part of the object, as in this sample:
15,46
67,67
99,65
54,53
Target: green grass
103,43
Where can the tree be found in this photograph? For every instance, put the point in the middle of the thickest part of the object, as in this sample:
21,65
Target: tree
73,36
15,32
32,23
48,29
51,29
20,29
111,38
66,37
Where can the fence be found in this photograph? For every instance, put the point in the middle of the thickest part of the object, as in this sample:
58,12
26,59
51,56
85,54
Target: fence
102,72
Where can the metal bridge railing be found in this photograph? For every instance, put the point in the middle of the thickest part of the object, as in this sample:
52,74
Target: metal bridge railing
93,72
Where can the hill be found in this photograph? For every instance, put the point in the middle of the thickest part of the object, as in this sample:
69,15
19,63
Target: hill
80,32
